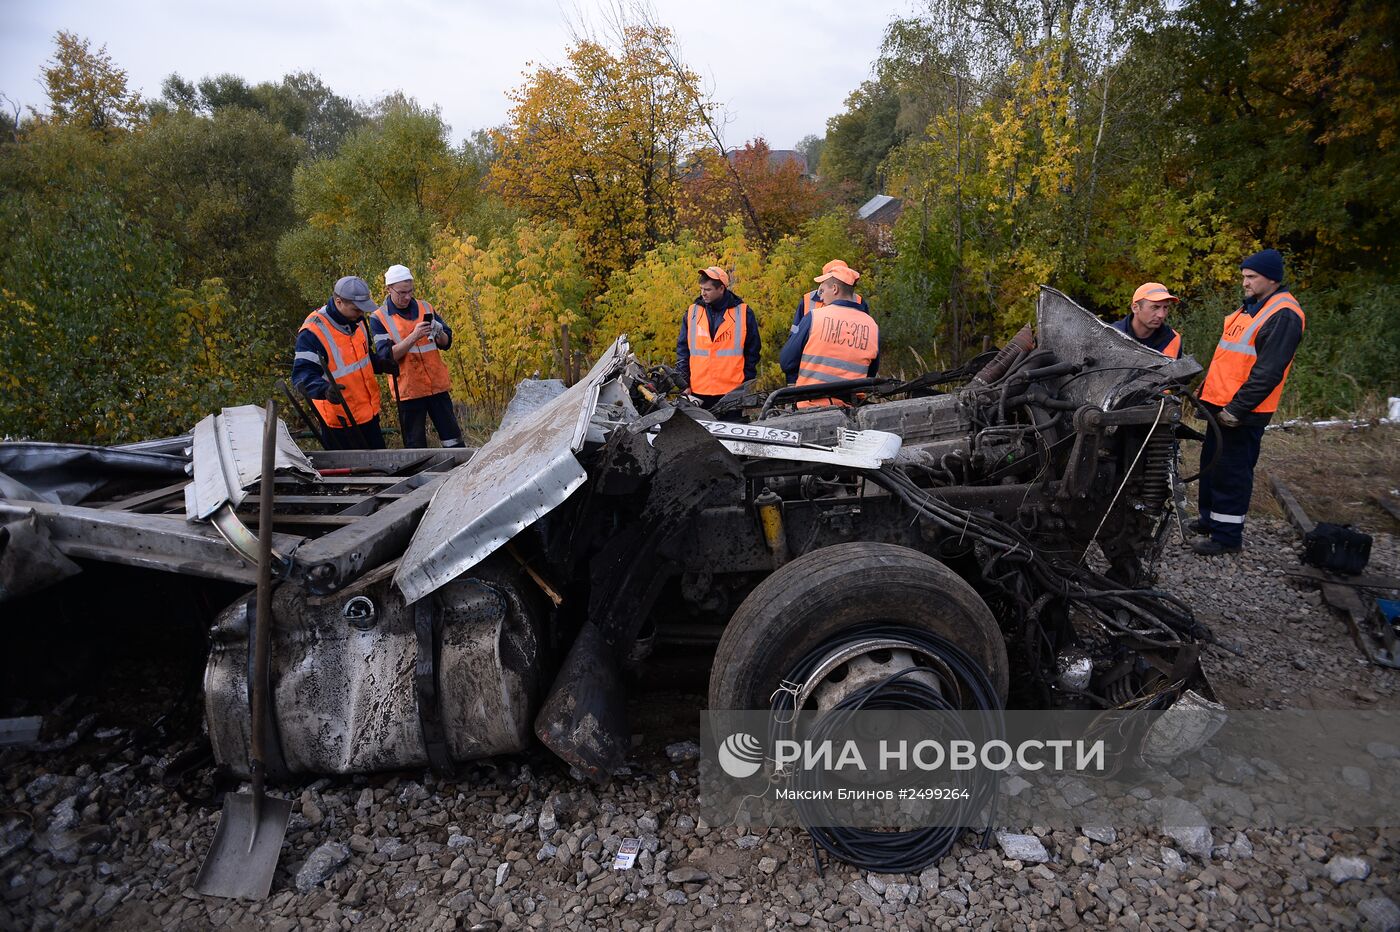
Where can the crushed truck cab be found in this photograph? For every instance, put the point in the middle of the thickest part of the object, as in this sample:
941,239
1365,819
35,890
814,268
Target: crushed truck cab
471,606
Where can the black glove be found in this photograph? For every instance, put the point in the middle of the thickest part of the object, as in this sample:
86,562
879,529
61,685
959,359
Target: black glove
333,394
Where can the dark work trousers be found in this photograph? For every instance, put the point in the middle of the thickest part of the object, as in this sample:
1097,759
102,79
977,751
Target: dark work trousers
1225,490
367,436
413,420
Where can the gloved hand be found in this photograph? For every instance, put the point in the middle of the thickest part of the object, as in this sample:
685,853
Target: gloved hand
1227,419
334,394
438,328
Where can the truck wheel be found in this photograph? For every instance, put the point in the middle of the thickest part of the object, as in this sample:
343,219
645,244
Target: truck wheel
831,590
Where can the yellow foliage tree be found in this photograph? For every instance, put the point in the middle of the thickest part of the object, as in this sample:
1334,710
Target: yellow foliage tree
599,143
1191,244
648,300
515,305
1004,181
1030,146
85,88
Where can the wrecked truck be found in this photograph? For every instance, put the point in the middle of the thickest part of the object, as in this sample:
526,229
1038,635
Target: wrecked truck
437,606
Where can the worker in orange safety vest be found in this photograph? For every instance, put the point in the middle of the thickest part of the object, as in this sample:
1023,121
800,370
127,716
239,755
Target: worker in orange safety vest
719,344
1242,388
812,299
407,331
837,341
334,368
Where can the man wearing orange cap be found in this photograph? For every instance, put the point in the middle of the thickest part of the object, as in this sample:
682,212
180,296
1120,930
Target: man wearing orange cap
718,347
813,299
1147,321
838,340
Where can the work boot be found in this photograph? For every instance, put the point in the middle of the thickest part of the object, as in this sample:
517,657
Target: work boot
1209,547
1198,527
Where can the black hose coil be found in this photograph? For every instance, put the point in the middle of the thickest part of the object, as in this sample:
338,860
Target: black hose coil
893,852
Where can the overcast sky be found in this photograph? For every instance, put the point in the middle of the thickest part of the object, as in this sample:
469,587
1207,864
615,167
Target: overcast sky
780,67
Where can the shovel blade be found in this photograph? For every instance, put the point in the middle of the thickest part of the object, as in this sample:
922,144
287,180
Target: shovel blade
247,844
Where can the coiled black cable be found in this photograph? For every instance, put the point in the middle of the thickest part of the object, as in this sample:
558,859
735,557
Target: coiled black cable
895,852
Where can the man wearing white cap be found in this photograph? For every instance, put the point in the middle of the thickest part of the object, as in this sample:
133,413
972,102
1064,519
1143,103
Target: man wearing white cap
333,366
408,332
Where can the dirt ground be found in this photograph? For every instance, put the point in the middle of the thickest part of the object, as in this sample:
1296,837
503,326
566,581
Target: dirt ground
1336,473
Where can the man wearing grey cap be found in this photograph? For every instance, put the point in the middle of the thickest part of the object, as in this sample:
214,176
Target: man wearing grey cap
333,366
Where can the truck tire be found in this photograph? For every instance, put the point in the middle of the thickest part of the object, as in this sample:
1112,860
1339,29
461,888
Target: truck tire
832,589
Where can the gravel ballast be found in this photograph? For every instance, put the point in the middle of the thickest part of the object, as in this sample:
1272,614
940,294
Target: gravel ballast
89,835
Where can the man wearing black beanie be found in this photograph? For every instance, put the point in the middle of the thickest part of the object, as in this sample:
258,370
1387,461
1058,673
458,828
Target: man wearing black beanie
1242,387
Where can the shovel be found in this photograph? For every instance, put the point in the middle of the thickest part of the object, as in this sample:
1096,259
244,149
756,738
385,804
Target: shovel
248,842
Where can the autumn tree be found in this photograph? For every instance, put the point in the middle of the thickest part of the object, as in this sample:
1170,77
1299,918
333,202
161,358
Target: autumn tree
517,306
85,88
1293,112
600,142
780,196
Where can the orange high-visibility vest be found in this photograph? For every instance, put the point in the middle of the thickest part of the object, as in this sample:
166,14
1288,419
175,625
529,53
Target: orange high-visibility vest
347,357
716,360
1235,354
811,301
841,345
1173,349
422,371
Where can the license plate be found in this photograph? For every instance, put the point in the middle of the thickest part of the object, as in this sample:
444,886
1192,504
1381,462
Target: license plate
752,433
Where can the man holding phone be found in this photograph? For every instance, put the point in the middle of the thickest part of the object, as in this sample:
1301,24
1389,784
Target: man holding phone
407,331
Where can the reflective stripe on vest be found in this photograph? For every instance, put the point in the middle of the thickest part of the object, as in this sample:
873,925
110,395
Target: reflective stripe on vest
716,363
1235,355
349,365
426,373
325,330
841,345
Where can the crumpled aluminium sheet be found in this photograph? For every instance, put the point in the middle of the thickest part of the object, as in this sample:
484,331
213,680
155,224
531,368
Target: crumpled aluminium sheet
71,473
28,559
228,459
525,470
530,396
